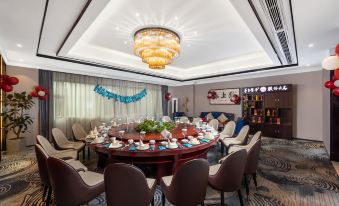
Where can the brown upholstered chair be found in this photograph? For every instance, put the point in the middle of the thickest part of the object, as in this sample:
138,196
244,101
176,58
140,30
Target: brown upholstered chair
52,152
80,135
240,139
187,187
73,187
127,185
227,176
42,157
61,142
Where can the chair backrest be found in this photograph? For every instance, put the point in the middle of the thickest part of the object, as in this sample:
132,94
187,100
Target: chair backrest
255,138
78,132
196,120
229,129
126,185
95,123
68,186
184,119
253,157
230,174
42,157
243,134
214,123
59,137
166,119
46,145
189,183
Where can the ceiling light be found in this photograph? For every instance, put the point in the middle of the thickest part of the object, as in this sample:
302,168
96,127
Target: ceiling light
156,46
125,42
137,14
311,45
117,28
19,45
176,18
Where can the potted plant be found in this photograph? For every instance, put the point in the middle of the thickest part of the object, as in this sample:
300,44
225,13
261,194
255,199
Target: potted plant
16,119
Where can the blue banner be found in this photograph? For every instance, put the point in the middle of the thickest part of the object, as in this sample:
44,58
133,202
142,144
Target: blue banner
125,99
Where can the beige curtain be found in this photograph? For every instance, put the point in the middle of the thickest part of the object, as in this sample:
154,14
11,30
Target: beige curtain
76,101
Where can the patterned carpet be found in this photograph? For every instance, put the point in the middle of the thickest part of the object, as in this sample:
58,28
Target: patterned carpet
294,172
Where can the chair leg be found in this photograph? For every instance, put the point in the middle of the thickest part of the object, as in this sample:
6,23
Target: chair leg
202,204
221,149
88,152
83,154
44,193
240,198
152,201
246,185
254,175
222,198
49,196
78,155
226,149
163,199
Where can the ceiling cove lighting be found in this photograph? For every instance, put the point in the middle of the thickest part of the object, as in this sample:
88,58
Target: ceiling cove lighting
156,46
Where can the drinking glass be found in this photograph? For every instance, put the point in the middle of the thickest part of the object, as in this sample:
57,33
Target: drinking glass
142,135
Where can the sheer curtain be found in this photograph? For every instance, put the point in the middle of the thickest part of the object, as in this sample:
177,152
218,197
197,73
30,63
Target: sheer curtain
76,101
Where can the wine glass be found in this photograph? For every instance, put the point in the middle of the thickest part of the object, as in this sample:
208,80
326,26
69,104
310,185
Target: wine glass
142,135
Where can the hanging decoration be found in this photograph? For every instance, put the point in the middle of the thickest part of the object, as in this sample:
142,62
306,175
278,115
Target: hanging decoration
168,96
125,99
332,63
40,92
212,94
7,82
235,99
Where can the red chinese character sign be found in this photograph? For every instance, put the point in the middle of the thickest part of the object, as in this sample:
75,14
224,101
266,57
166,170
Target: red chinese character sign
332,63
224,96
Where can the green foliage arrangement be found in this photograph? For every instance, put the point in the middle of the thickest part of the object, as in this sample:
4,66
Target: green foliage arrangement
152,126
15,118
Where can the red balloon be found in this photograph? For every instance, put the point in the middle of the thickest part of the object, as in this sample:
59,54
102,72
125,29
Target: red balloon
337,49
7,88
336,74
336,91
12,80
34,94
329,84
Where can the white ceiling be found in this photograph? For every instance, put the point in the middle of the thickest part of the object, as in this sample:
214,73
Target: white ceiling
218,37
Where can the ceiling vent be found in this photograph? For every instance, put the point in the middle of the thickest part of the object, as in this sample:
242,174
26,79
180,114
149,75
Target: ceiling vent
276,18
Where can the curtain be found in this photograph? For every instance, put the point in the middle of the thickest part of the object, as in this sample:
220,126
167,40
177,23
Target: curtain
164,90
46,106
76,101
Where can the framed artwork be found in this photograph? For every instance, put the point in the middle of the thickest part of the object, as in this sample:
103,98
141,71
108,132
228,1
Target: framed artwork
226,96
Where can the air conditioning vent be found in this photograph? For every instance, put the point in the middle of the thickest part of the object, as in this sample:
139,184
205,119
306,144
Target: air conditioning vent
284,46
273,10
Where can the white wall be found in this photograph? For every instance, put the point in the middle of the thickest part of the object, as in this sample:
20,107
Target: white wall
28,78
308,103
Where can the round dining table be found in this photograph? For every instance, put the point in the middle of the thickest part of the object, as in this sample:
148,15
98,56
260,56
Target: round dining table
165,160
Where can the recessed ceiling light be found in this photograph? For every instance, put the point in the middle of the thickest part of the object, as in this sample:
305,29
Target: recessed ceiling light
117,28
19,45
137,14
125,42
311,45
176,18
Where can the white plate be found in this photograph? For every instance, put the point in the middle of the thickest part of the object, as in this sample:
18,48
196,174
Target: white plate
194,143
115,146
176,146
146,147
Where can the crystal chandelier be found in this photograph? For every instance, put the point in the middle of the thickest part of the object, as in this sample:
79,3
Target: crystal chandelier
157,47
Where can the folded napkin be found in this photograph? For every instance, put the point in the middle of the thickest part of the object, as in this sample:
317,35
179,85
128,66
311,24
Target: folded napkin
132,148
107,145
204,140
187,145
162,147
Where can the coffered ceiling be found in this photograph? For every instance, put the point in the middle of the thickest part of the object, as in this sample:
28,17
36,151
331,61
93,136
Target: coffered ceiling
219,38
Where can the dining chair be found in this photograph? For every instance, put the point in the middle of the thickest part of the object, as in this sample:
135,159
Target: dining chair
253,151
240,139
166,119
214,123
227,176
95,123
196,120
51,151
127,185
184,119
79,134
253,140
228,131
187,187
73,187
61,142
42,157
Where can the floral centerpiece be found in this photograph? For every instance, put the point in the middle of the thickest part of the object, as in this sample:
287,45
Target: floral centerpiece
154,126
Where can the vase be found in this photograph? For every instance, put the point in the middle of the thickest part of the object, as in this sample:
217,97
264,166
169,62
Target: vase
14,145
